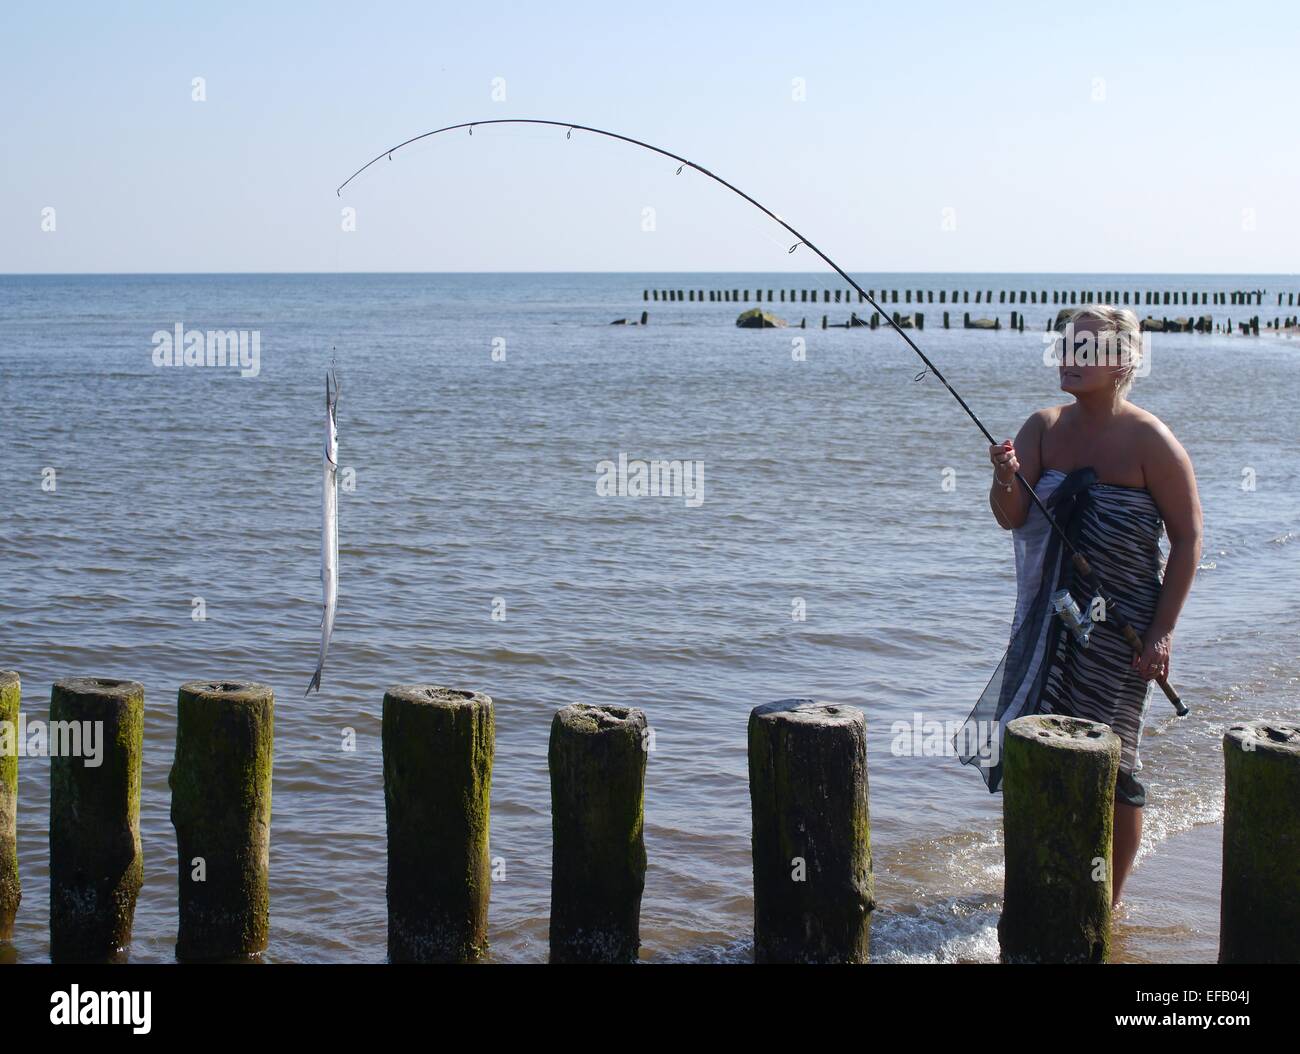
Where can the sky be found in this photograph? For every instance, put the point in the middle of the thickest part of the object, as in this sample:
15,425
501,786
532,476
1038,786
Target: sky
948,137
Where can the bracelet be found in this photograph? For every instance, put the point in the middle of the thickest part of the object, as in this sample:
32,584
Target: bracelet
1009,486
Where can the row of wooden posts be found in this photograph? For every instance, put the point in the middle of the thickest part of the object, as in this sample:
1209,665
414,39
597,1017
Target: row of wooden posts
1116,297
916,320
811,840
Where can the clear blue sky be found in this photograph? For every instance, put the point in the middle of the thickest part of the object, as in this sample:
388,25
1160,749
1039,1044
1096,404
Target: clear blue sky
1188,162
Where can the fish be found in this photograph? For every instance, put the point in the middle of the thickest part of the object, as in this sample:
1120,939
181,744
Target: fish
329,542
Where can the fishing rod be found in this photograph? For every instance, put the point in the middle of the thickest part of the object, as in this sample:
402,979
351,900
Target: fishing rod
1077,558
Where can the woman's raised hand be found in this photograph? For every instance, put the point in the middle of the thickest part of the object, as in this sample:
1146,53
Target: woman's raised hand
1005,462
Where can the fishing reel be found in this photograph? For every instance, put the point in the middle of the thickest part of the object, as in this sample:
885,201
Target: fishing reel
1078,623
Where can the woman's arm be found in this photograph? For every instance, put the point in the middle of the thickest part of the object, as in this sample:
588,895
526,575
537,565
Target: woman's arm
1172,483
1011,506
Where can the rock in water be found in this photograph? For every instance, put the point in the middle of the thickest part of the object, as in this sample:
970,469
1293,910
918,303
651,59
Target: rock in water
756,318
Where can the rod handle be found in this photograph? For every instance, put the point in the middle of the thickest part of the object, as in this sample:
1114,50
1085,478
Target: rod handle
1180,707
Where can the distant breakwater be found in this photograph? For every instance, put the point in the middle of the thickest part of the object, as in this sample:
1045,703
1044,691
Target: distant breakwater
1201,323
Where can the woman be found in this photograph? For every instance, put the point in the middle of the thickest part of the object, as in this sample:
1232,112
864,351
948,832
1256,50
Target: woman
1113,476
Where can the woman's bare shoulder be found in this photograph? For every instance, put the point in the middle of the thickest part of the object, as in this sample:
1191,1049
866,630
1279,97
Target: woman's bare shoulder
1154,438
1042,420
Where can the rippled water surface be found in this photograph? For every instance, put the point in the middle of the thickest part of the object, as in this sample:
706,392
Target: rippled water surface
476,486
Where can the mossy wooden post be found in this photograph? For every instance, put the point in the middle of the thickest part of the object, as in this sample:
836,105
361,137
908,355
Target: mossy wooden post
1260,907
813,887
438,749
96,865
10,888
597,761
1058,803
221,808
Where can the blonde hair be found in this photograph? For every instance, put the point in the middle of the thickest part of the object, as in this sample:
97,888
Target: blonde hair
1118,331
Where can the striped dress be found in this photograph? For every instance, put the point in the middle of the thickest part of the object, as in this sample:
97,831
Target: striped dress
1044,669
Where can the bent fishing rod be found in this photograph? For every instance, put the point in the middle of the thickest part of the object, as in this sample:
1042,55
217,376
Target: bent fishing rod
1113,610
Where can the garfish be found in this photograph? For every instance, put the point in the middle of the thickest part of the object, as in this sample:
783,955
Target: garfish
329,542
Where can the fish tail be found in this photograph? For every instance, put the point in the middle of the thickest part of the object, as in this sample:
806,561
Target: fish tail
315,683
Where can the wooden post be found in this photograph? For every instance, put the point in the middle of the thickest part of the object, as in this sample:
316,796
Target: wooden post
221,808
438,749
10,888
813,887
1259,908
96,866
597,761
1058,806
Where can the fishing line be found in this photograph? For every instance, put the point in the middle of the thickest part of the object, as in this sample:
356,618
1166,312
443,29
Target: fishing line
800,243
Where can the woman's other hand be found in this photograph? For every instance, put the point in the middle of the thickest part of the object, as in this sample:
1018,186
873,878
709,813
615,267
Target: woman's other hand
1156,651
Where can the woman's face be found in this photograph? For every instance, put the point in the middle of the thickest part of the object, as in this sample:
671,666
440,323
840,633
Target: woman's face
1092,367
